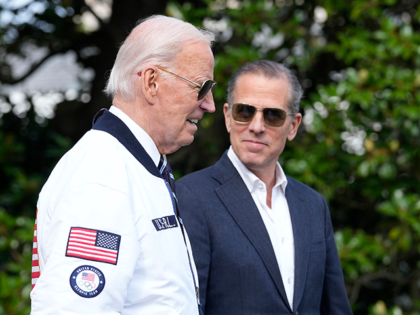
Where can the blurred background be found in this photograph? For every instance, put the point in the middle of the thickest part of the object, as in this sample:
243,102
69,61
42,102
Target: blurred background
358,62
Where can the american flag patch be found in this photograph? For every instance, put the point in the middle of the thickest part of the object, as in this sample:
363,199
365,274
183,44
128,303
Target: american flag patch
88,276
93,245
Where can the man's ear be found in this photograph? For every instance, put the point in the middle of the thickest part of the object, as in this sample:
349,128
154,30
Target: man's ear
294,126
150,80
227,117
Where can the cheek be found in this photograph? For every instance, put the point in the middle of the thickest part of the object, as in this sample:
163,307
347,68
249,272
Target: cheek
227,118
236,135
175,97
279,144
228,125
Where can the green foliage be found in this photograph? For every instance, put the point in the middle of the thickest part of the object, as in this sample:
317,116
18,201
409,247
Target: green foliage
359,142
358,145
364,130
15,274
28,151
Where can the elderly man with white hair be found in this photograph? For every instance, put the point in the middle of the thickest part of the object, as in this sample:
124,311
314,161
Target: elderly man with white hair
108,237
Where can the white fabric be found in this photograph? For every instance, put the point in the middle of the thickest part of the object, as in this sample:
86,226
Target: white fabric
99,185
141,135
276,220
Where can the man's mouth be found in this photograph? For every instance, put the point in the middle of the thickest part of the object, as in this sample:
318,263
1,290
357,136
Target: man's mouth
193,121
254,142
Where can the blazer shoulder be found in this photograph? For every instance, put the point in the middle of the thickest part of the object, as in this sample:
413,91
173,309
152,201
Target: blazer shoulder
212,176
196,178
302,190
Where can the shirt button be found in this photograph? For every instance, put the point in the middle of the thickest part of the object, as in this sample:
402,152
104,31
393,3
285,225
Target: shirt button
289,280
260,186
282,240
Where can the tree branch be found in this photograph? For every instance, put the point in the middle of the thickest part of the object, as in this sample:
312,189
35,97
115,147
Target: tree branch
101,22
34,67
367,279
31,70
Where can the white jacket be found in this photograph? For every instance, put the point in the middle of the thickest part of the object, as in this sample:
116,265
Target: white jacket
108,240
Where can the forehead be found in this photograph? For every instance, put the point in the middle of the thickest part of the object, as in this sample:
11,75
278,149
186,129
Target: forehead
196,59
256,89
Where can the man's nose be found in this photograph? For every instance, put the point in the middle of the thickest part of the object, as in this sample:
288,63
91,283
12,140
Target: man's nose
208,103
257,123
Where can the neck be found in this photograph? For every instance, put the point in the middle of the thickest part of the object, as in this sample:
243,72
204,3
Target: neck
127,107
142,115
268,176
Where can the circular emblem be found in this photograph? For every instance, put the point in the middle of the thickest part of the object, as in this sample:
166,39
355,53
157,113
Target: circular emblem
87,281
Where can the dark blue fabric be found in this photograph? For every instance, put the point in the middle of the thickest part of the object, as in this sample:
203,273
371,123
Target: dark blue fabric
167,173
237,268
111,124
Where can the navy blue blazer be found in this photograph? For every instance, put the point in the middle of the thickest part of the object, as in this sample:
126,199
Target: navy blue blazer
237,268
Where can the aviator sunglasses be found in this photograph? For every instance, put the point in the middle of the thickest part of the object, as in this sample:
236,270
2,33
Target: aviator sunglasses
273,117
207,86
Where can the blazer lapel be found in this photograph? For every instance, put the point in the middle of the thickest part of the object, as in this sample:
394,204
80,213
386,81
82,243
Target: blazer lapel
300,224
239,203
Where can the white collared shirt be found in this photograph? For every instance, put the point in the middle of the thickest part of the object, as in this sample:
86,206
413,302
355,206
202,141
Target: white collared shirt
277,219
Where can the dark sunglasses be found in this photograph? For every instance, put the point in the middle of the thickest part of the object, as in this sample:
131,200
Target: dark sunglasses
273,117
206,87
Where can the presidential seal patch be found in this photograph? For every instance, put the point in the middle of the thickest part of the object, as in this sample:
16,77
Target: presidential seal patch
87,281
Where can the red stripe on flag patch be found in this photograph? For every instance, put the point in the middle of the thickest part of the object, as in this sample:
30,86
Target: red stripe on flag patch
93,245
36,271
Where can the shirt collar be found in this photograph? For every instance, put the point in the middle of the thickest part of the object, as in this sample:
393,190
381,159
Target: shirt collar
250,179
141,135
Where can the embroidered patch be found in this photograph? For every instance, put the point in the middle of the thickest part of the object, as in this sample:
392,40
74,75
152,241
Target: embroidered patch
87,281
164,223
93,245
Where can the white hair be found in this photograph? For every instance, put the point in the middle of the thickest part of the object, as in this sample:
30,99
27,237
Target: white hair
157,39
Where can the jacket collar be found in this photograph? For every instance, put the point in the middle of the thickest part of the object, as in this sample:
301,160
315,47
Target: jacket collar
113,125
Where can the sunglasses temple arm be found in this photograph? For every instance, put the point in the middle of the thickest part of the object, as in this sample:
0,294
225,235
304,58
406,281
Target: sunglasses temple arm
163,69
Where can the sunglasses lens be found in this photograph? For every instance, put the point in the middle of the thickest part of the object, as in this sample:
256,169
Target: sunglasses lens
274,117
243,113
205,88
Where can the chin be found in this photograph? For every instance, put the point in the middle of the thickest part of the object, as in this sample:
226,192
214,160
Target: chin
186,141
174,143
255,163
251,164
251,158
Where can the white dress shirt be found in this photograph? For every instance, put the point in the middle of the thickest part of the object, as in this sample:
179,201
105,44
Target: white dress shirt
277,219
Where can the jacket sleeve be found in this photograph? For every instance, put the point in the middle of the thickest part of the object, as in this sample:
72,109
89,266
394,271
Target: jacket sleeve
192,212
334,296
62,287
